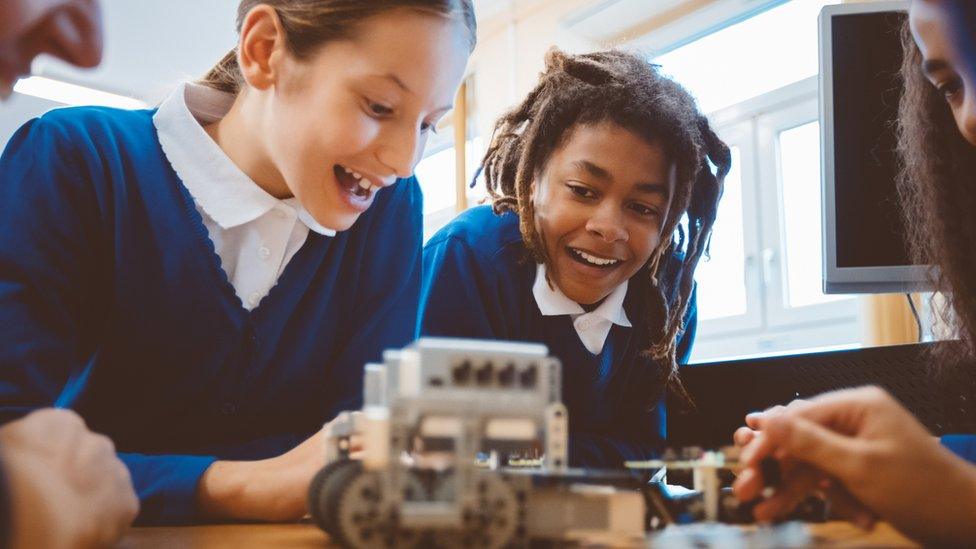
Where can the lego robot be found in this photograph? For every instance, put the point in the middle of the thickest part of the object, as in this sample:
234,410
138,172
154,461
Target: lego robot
464,443
444,424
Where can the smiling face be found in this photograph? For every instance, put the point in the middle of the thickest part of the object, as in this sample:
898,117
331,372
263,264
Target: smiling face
356,115
600,203
68,29
943,63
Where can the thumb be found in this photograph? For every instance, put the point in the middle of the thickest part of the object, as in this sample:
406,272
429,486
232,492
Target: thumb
811,443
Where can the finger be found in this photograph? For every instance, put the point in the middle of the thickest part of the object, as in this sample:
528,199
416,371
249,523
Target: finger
845,506
754,419
743,436
844,409
808,442
799,484
748,485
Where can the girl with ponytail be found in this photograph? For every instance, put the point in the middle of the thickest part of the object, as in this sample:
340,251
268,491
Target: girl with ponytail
203,282
603,201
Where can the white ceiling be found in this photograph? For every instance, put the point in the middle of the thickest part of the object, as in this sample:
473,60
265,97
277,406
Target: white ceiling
151,45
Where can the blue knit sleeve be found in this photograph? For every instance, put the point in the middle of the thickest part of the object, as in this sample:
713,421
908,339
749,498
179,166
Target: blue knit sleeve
687,339
388,291
963,446
459,296
55,276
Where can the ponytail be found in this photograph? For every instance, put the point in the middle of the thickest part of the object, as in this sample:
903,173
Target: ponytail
225,76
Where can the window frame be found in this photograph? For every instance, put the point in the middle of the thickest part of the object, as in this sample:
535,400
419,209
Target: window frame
754,126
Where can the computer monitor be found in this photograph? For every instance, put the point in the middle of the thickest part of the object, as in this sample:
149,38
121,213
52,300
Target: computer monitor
864,237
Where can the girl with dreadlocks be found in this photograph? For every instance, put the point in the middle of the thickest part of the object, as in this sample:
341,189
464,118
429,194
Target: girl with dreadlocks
589,178
862,441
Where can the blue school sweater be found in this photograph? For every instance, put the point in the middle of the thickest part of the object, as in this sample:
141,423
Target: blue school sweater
476,283
113,303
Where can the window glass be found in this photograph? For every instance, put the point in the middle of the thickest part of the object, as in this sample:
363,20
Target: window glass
761,54
799,161
721,276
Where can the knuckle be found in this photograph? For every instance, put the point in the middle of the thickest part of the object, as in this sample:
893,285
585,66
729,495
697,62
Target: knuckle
875,395
103,443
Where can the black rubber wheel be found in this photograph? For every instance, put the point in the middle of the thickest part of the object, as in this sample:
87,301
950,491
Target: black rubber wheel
319,494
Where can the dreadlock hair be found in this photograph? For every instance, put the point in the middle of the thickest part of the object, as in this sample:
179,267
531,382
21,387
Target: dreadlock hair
622,88
938,197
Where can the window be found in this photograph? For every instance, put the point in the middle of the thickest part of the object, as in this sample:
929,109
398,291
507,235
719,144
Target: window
761,289
438,181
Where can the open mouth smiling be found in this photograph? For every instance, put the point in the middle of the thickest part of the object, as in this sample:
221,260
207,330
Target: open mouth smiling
592,260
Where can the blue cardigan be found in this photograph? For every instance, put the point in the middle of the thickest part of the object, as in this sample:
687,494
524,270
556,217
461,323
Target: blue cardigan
113,303
476,283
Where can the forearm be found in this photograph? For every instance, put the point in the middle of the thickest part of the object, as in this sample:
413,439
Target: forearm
266,490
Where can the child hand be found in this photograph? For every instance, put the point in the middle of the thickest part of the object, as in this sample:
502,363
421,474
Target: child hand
877,451
273,490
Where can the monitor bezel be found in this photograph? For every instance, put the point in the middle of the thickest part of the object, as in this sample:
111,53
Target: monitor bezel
852,280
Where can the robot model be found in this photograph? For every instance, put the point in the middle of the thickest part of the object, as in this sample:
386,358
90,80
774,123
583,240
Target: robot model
444,427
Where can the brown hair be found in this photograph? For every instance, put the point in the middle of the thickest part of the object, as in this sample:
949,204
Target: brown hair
619,87
938,195
309,24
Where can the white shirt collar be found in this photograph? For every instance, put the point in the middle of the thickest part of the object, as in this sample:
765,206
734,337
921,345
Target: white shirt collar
217,185
592,327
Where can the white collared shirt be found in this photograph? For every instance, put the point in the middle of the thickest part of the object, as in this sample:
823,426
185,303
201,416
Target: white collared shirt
592,327
254,234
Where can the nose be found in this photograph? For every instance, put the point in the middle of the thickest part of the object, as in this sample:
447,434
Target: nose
400,149
966,117
607,222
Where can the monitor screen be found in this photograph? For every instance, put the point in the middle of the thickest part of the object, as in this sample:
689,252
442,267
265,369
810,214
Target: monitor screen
867,58
864,237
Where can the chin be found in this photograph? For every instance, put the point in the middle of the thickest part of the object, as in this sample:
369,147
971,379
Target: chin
335,222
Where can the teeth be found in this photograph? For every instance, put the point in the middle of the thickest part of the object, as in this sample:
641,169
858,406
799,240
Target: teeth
357,175
595,260
365,185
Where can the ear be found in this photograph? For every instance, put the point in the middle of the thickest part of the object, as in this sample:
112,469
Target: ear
261,47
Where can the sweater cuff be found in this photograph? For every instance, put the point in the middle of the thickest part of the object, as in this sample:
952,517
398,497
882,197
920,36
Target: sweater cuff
963,446
167,486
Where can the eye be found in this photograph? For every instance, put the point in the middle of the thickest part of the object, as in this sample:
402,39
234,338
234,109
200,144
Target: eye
379,110
581,191
642,210
950,88
428,127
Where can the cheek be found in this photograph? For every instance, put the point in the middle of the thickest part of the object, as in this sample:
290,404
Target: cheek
644,240
965,116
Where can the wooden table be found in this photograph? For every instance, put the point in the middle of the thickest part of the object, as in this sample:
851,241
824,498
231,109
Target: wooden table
237,536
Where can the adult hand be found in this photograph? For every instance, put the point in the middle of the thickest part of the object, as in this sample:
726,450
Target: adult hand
744,435
878,452
271,490
67,487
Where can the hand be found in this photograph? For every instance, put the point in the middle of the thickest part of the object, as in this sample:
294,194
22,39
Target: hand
744,435
272,490
67,487
878,452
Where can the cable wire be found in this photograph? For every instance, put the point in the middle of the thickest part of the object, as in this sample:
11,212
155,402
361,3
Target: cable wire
918,319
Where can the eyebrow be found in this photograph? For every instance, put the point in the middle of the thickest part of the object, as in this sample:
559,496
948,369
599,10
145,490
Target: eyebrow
403,86
602,173
932,65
